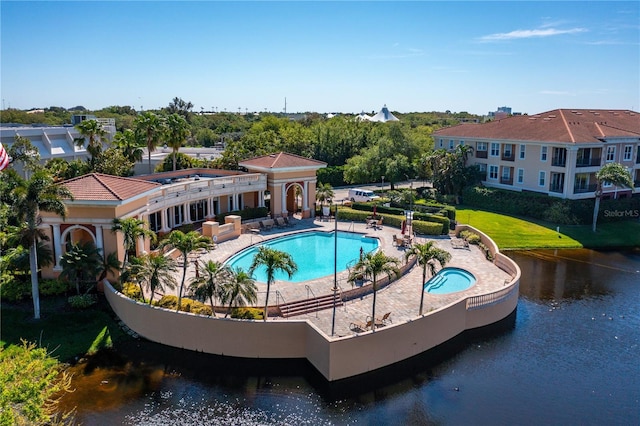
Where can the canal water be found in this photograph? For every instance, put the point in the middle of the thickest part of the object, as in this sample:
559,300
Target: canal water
569,355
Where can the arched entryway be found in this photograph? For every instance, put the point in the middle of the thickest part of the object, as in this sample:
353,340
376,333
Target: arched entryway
295,198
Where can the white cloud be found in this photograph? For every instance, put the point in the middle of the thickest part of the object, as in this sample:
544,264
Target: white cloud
536,33
556,93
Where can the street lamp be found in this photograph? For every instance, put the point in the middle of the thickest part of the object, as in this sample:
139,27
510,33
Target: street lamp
383,184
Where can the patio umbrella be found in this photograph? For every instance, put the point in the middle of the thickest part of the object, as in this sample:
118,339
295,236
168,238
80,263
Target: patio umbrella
374,209
404,226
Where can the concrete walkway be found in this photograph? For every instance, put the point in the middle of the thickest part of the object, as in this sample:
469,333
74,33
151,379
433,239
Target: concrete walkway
401,298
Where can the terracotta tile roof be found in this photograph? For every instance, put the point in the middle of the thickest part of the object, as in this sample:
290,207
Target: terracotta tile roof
101,187
560,125
281,160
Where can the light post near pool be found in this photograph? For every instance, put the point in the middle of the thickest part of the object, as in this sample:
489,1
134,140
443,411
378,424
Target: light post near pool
382,189
335,269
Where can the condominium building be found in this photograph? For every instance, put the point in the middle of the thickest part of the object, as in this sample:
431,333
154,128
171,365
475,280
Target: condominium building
556,152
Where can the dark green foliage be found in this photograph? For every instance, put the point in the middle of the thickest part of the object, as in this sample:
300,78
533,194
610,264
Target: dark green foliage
15,290
82,301
187,305
543,207
53,287
417,216
183,161
333,175
419,226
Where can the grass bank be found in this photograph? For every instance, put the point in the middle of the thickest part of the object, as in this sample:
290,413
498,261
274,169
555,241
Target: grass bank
514,233
65,332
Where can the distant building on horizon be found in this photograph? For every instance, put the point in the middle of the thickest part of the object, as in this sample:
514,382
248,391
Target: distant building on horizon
384,115
502,112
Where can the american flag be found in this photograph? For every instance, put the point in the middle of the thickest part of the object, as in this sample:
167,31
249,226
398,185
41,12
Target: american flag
4,158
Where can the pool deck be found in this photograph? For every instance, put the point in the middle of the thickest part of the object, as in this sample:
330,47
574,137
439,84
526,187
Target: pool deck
401,298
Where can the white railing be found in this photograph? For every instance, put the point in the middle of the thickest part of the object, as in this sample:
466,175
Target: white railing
480,301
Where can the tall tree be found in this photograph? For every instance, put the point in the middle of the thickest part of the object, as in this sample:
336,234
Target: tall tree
426,255
129,145
96,135
614,174
30,197
239,290
149,127
207,284
186,244
324,192
177,132
181,107
273,260
373,265
132,228
24,152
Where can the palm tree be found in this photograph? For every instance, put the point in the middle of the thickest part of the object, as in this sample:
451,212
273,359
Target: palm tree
157,271
373,265
273,260
128,144
177,131
324,192
132,229
426,254
206,285
96,134
614,174
239,290
39,193
185,244
81,263
150,128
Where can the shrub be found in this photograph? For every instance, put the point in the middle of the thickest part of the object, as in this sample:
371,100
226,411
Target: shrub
417,215
419,226
245,214
487,252
14,290
247,313
53,287
187,305
132,291
470,237
82,301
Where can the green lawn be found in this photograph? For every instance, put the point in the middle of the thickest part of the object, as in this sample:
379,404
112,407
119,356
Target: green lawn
513,233
66,333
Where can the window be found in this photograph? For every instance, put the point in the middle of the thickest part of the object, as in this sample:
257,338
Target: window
441,143
495,149
450,143
155,221
543,153
520,175
507,151
482,168
628,152
542,177
522,150
461,142
506,173
493,172
606,184
481,146
611,153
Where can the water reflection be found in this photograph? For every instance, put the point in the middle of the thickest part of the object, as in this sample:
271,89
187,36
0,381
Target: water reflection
568,356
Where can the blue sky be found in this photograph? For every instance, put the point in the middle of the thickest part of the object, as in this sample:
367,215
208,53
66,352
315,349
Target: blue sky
322,56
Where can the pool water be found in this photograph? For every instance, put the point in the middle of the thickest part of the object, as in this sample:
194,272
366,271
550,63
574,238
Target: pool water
312,252
449,280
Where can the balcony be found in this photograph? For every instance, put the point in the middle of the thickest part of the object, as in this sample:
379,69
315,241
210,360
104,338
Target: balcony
556,188
508,156
638,157
559,162
506,180
483,154
581,189
588,162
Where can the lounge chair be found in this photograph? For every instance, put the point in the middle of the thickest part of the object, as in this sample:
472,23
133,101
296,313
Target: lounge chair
289,223
399,241
280,222
361,326
460,244
267,224
383,321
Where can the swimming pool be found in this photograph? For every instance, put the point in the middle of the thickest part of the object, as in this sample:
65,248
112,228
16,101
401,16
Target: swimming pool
312,252
449,280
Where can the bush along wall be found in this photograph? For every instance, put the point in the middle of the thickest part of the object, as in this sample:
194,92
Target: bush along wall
441,218
347,214
245,214
544,207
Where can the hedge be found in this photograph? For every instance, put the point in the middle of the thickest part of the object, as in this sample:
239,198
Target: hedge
544,207
419,226
417,216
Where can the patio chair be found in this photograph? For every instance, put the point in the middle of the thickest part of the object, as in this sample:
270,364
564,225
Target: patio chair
280,222
361,326
383,321
288,222
399,241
